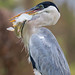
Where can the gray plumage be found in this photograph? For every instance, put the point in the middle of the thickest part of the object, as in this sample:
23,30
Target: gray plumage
47,54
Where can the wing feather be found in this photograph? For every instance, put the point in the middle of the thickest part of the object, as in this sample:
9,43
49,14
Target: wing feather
47,53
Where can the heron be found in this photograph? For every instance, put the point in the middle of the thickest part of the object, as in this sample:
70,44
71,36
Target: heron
45,53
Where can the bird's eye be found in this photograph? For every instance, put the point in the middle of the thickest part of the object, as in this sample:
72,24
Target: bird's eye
41,6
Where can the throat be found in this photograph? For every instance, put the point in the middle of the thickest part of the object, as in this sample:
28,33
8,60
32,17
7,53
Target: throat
27,33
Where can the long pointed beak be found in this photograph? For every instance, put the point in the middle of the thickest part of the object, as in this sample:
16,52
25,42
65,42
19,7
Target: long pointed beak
31,11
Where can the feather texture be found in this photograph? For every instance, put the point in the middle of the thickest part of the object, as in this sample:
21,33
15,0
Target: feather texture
47,54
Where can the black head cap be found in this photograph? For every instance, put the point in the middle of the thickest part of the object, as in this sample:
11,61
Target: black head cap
47,4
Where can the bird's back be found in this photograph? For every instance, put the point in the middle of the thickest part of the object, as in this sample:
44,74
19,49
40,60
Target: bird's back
46,54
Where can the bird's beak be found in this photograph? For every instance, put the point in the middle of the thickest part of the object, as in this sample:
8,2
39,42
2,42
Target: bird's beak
31,11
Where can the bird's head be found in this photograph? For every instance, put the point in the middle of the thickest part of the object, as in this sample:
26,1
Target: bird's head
47,6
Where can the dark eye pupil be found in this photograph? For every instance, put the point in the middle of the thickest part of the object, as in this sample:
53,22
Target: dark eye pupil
41,6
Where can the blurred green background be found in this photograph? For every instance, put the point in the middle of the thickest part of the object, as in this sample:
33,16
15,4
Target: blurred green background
13,56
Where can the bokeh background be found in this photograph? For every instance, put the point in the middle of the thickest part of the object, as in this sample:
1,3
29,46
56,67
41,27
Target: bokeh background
13,56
